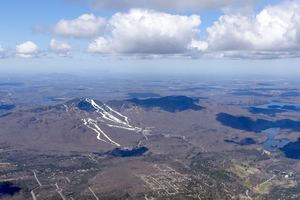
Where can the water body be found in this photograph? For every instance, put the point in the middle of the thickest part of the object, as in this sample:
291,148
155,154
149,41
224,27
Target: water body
7,107
193,89
259,125
269,128
290,94
7,188
265,111
265,84
138,151
271,143
250,93
11,84
56,99
242,142
119,152
125,152
4,115
274,108
169,103
46,108
291,108
292,149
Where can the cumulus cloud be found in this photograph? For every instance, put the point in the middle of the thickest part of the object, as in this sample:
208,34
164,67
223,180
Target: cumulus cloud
143,31
86,25
178,5
274,32
3,53
60,47
27,50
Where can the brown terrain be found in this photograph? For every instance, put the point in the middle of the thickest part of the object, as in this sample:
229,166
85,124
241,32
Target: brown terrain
119,145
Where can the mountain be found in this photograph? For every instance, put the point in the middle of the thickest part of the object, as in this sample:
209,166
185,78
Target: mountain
77,125
85,124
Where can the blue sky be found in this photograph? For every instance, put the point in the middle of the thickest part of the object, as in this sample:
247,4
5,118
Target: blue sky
18,18
152,37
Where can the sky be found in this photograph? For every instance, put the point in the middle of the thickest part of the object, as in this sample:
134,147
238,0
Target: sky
150,36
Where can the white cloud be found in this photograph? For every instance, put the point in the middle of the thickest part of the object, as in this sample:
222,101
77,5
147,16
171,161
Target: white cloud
27,50
179,5
101,45
198,45
86,25
2,52
274,32
148,32
60,47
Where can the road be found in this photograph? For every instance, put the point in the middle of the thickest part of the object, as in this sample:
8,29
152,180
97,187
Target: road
36,178
97,198
33,195
59,191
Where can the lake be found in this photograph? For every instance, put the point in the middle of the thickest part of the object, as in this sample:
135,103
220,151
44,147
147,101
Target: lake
7,188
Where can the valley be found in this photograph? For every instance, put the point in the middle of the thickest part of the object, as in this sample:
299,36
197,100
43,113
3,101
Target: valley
202,143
